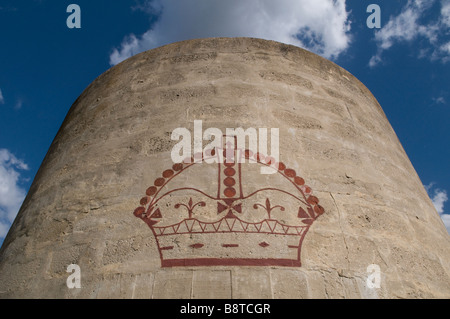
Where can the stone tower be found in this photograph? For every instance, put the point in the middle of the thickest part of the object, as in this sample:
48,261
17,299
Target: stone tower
342,195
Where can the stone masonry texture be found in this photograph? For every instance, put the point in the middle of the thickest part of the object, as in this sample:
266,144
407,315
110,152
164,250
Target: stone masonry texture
91,200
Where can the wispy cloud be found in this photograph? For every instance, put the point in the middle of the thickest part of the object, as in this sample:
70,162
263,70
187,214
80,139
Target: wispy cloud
446,220
2,99
439,197
18,104
8,9
407,27
11,193
321,26
445,12
439,100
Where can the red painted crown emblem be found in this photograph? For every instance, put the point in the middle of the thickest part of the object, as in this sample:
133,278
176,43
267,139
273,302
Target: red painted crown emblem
228,213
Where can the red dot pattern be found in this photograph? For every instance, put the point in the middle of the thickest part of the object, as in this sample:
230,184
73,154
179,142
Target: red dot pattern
229,171
313,200
290,172
168,173
319,209
144,201
299,181
229,192
270,160
151,191
177,167
159,182
259,157
139,211
230,181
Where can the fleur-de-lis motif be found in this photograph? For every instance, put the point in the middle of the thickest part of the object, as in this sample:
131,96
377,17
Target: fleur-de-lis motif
268,208
190,207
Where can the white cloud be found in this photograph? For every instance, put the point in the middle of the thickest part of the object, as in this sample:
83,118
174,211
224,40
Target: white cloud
445,12
11,194
439,198
18,104
446,220
376,59
443,52
2,99
321,26
439,100
407,27
428,187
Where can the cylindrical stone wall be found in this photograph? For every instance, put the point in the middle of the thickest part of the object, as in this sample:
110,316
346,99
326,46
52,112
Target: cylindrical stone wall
344,195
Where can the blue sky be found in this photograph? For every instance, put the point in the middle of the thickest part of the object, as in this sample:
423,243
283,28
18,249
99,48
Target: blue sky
45,66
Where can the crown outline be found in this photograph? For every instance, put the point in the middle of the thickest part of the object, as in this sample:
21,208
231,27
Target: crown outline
229,202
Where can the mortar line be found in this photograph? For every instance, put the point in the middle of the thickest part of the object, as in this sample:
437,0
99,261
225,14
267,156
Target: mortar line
342,230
